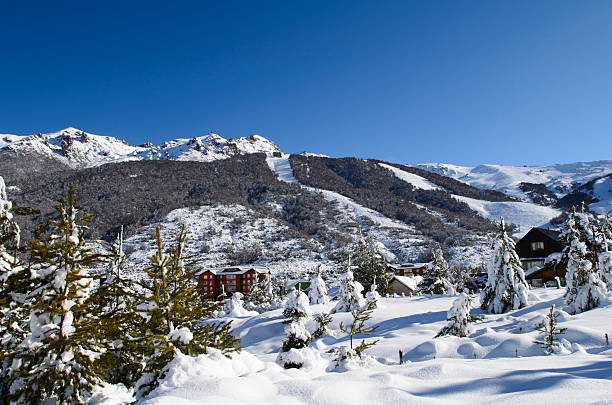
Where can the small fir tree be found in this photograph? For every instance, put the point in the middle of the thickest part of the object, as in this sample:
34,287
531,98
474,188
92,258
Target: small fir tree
322,320
349,294
296,307
506,288
370,266
297,337
263,296
317,293
436,279
57,358
551,332
345,354
176,318
459,318
372,297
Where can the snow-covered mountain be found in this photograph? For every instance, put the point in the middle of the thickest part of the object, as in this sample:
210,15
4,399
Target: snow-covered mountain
541,184
80,149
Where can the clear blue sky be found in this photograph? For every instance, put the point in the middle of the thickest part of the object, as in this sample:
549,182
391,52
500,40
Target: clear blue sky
466,82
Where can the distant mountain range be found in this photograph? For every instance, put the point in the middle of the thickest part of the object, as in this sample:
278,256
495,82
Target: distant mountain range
318,204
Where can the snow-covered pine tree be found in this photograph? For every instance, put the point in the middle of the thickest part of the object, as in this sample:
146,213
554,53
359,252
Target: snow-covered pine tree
372,298
14,286
56,360
350,293
175,315
297,306
263,296
506,288
584,287
370,266
459,318
550,331
317,293
297,337
436,279
604,255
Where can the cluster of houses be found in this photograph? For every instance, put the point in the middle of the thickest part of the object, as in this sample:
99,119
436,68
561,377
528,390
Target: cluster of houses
539,251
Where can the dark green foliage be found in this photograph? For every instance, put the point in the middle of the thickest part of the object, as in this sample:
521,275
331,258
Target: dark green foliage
175,316
550,331
322,320
370,267
57,356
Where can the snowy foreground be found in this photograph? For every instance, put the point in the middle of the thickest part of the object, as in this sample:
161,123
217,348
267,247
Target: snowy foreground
497,363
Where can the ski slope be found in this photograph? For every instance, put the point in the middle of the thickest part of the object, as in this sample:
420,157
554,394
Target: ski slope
410,178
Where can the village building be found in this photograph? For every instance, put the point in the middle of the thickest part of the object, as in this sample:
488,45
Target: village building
408,269
540,254
222,282
405,285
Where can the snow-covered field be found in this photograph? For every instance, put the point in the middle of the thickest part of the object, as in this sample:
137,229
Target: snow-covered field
497,363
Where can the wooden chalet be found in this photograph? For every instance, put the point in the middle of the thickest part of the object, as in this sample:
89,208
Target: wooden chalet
405,285
218,283
540,251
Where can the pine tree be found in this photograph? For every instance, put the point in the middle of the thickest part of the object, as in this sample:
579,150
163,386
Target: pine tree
117,318
14,287
357,327
317,293
297,337
436,279
56,360
550,331
322,320
175,315
263,296
584,287
370,266
506,288
349,294
459,318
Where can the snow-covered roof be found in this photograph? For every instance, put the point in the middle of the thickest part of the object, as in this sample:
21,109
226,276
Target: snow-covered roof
410,282
234,270
410,265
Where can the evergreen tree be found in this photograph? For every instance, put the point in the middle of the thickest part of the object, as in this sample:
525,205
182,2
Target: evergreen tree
322,320
56,360
175,315
357,327
459,318
297,337
550,331
436,279
370,266
297,306
506,288
584,287
14,287
349,294
263,296
117,318
317,293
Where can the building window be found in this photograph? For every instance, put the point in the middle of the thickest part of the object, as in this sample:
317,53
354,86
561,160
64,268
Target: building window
537,246
231,277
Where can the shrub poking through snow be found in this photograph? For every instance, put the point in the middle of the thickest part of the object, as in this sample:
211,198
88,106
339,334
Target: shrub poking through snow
357,327
585,289
349,294
317,293
459,318
56,360
436,279
176,318
506,288
370,266
322,320
550,331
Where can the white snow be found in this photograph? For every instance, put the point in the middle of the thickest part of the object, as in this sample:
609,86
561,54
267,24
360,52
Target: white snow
410,178
526,215
498,363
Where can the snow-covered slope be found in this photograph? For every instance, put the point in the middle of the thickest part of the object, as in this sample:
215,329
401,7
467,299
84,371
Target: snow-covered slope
497,363
559,179
80,149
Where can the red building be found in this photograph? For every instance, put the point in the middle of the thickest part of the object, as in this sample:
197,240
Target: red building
408,269
228,280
